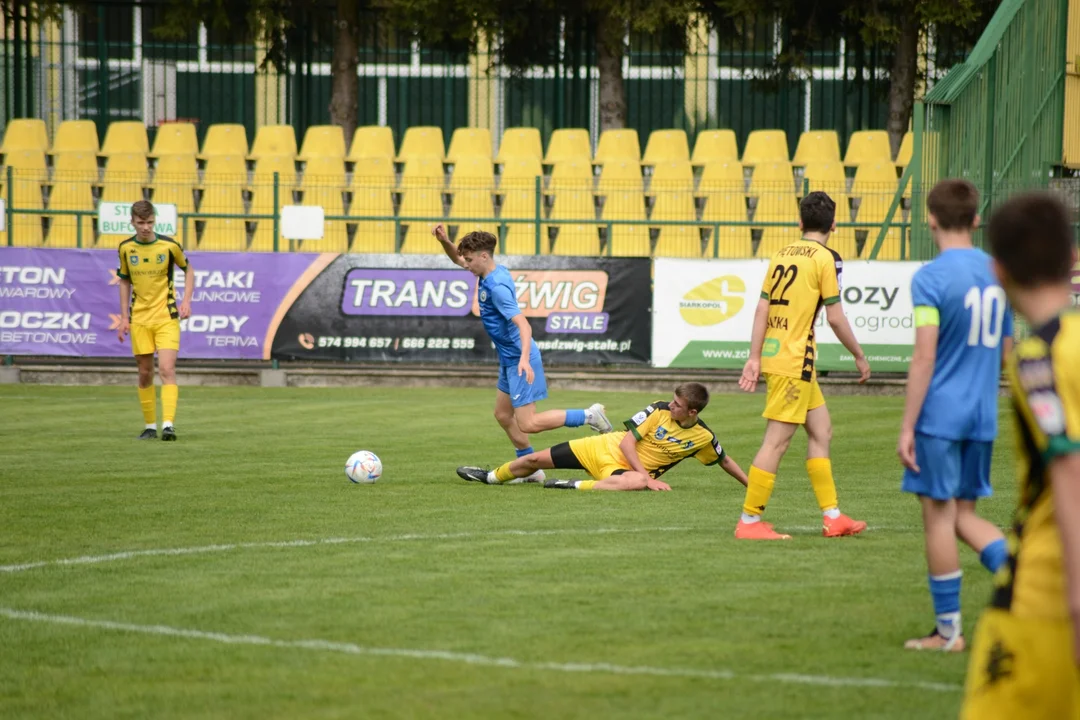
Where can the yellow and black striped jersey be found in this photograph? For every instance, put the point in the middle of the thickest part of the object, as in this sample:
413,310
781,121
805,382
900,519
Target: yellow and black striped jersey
149,267
663,443
1044,372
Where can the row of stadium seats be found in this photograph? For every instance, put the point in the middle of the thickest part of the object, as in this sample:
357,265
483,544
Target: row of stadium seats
328,141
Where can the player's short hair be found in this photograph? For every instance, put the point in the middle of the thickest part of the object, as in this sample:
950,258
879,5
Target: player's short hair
477,241
143,209
1031,235
695,394
954,204
817,212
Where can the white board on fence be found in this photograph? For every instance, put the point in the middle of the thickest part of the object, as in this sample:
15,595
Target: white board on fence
115,219
301,222
3,217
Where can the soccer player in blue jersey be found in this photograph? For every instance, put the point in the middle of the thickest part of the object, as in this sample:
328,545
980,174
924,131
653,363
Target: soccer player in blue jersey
962,326
521,369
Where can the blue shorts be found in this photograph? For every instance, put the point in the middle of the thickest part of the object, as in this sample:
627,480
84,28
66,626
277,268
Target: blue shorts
950,469
522,393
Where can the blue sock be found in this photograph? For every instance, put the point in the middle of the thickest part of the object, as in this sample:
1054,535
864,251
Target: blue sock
575,418
994,555
525,451
945,591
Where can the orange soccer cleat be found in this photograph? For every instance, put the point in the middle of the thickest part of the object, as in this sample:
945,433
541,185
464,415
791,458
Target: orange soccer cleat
841,526
759,530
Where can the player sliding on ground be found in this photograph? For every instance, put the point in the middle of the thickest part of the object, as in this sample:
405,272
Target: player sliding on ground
962,325
801,278
656,439
1025,661
521,370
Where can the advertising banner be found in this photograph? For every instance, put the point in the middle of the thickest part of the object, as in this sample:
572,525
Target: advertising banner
422,308
330,307
703,314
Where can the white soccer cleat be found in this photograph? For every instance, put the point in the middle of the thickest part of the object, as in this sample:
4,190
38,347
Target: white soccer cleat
599,421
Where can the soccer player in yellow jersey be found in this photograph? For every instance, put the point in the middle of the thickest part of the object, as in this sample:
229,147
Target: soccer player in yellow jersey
1025,661
801,278
148,310
656,439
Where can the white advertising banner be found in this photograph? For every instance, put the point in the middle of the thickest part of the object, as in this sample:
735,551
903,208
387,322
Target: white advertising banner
703,313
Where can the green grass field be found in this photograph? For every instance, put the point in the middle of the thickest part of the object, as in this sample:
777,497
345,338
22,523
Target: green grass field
422,596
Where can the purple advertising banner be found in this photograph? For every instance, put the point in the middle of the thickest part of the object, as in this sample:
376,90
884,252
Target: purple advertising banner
67,302
385,291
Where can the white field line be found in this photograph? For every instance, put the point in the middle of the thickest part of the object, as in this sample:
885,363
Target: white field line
473,659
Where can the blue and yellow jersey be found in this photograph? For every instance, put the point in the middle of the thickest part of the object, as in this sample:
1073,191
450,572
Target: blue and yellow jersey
663,443
1044,372
149,267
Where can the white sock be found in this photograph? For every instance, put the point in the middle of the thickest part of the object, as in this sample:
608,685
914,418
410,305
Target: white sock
948,625
750,519
151,426
832,513
492,480
588,415
577,484
167,423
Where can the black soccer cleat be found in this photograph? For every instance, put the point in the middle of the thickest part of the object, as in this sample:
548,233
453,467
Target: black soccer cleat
473,474
148,434
168,433
561,484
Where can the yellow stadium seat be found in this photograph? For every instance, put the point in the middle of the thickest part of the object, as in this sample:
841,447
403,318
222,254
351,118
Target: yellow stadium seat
373,172
676,240
374,236
26,195
907,149
828,177
231,169
618,145
777,207
180,194
475,173
371,141
627,240
727,206
323,141
274,140
843,241
25,134
520,143
126,167
423,172
175,179
76,136
715,146
466,206
64,229
335,233
324,172
722,176
817,146
426,205
122,189
825,172
125,137
772,177
571,175
873,207
469,143
666,146
868,146
224,235
875,178
29,165
763,146
521,172
520,238
75,166
577,230
266,166
25,229
672,175
175,139
618,175
262,203
422,142
568,144
225,139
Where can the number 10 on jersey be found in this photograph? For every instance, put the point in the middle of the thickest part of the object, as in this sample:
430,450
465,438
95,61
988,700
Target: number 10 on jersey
987,307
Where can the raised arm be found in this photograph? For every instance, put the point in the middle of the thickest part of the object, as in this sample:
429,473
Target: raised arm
448,247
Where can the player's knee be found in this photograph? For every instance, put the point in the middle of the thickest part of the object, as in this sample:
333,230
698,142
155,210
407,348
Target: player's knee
502,417
778,445
167,375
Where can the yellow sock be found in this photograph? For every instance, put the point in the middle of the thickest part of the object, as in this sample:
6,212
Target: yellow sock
758,491
503,474
148,400
169,395
585,484
820,472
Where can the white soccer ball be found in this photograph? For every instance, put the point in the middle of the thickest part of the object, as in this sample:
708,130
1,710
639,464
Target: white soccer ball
363,467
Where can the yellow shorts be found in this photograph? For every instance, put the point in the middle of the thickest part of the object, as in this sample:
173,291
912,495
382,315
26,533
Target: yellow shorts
1021,668
595,456
145,339
789,399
